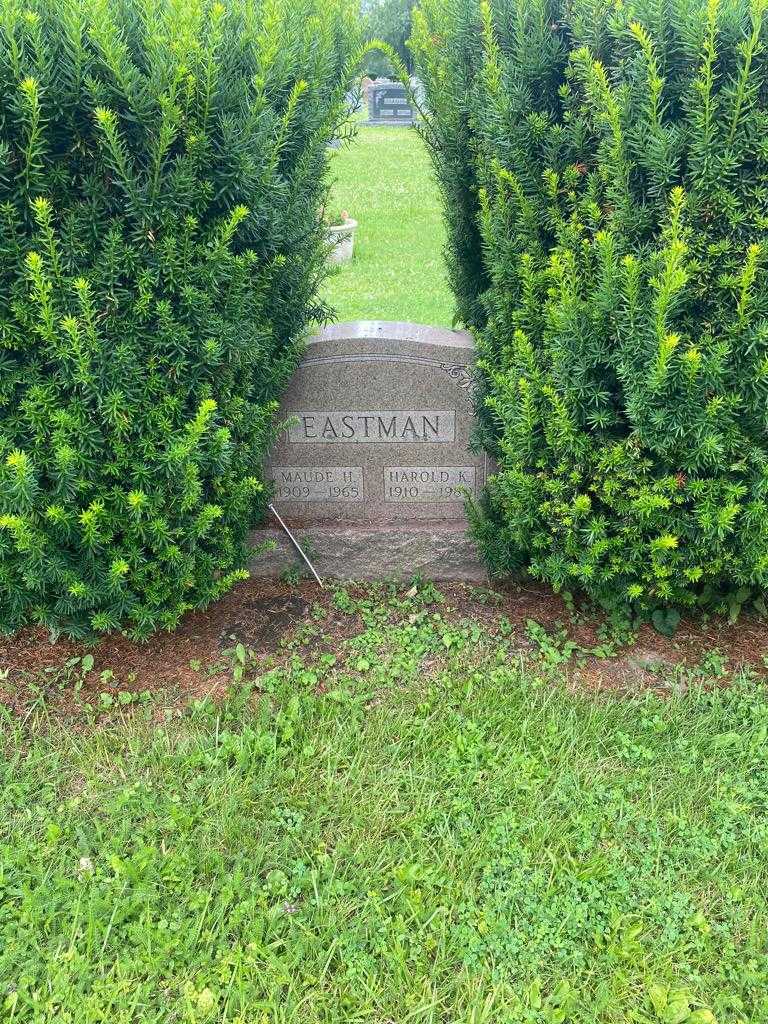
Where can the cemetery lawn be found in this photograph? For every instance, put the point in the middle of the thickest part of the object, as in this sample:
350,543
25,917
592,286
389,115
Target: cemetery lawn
384,181
398,815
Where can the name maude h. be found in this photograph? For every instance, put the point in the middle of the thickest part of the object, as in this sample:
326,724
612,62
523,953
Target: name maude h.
372,426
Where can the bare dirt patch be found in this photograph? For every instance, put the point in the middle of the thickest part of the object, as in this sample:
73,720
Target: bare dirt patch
265,616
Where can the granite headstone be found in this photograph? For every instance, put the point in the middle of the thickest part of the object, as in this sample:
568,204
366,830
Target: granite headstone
388,103
374,461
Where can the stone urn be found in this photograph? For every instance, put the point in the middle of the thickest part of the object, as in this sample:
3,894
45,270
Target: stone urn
341,238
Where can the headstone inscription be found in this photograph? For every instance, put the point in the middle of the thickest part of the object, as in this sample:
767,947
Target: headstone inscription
388,103
374,461
379,422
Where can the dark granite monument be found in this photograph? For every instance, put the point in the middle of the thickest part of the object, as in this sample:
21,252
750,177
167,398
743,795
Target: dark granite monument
388,103
374,465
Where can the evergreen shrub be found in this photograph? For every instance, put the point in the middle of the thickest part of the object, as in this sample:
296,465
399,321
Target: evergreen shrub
604,166
162,164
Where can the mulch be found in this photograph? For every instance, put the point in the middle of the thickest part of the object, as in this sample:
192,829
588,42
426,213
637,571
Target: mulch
194,660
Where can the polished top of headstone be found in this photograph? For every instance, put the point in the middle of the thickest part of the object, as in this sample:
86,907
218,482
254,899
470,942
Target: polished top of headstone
394,330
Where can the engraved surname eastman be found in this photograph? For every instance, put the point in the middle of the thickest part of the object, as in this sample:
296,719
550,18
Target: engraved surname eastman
318,483
428,483
374,427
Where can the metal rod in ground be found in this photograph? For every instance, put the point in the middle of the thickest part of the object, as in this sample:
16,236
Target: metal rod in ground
296,544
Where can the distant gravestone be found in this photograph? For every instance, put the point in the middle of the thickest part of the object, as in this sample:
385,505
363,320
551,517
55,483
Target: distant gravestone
388,103
374,465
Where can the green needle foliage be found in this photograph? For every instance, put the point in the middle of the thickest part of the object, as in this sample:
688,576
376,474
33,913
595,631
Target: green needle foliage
161,167
604,169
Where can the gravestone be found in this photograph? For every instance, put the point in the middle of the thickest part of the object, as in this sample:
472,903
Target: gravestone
388,103
374,465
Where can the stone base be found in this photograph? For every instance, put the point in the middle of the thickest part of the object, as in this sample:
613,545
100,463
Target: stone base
389,123
435,550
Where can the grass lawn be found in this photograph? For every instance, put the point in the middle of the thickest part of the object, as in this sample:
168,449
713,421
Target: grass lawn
384,180
395,819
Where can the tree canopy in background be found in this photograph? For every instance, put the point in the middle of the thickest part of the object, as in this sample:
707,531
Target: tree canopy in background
390,21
